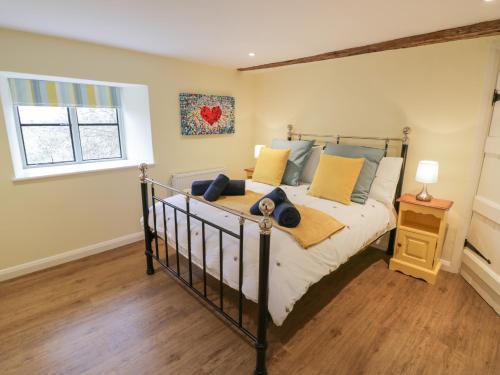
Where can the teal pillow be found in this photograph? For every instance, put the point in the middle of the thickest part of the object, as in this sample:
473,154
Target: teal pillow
299,153
367,175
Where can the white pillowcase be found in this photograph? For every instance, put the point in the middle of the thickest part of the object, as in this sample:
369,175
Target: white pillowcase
386,180
309,169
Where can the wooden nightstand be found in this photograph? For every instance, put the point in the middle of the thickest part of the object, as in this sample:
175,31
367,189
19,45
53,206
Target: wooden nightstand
420,235
249,172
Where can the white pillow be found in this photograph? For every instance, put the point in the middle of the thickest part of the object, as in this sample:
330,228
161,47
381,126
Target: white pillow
309,169
386,180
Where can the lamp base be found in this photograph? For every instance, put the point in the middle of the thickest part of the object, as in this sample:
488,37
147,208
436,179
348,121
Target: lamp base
424,196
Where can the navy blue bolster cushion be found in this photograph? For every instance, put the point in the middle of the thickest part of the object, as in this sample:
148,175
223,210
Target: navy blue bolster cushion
286,214
216,188
277,196
200,187
235,187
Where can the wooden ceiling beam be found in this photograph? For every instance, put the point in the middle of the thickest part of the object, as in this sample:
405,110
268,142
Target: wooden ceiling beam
476,30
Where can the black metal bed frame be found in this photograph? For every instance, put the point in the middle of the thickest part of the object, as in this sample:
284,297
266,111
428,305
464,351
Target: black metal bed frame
265,224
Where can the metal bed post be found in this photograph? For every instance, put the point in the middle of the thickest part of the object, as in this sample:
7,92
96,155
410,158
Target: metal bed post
289,133
266,206
148,236
404,154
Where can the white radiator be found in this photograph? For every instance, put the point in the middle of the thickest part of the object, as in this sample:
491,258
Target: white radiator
183,181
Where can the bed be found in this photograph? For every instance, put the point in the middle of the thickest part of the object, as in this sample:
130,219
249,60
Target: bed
241,251
292,270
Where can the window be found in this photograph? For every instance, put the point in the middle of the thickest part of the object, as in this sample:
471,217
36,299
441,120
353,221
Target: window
58,126
99,133
63,122
46,135
54,135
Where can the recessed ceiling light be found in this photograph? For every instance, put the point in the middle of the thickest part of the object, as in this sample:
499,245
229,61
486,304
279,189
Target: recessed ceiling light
251,54
488,1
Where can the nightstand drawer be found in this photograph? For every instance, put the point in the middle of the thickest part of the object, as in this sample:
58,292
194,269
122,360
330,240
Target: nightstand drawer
416,248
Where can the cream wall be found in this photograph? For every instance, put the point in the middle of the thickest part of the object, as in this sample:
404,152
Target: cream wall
41,218
442,91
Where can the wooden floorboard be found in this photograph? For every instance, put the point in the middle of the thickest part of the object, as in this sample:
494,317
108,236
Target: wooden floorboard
104,315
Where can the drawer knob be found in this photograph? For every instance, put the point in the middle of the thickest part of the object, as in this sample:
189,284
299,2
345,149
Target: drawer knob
399,244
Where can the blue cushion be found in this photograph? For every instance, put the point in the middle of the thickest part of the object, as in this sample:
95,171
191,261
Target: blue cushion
367,175
235,187
299,153
216,188
277,196
199,187
287,215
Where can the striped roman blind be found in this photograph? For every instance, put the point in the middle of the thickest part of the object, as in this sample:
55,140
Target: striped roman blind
62,94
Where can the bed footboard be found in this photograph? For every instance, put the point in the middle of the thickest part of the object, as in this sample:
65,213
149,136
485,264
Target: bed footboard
266,206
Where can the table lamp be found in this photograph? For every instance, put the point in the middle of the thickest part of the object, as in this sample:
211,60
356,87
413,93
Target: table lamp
427,173
257,150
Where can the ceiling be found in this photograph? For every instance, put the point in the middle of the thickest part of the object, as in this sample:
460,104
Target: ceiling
223,32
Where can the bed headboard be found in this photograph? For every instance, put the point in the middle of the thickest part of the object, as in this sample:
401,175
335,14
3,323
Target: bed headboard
385,141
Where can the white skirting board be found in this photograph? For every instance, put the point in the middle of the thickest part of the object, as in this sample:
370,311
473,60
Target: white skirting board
482,279
68,256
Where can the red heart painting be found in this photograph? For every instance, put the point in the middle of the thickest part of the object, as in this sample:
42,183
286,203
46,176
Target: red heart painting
211,115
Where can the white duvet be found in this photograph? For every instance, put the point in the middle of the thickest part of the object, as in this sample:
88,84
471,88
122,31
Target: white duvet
292,269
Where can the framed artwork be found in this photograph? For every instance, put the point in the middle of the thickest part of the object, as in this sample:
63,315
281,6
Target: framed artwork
206,114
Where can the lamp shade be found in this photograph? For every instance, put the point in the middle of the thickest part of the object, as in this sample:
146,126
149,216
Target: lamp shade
427,172
257,150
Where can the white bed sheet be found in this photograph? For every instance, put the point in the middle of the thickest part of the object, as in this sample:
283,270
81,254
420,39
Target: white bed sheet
292,269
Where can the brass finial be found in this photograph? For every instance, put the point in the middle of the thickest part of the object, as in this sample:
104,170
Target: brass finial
143,167
406,131
266,206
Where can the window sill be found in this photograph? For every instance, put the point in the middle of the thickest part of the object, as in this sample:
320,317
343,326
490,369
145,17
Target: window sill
63,170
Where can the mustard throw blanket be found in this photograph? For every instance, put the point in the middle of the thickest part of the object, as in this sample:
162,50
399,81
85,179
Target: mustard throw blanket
315,226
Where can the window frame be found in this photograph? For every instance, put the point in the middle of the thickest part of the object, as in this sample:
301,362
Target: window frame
121,143
74,128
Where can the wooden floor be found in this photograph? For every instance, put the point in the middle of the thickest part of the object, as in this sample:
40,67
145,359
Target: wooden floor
104,315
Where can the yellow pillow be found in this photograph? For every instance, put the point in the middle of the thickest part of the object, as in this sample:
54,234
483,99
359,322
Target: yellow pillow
335,178
270,166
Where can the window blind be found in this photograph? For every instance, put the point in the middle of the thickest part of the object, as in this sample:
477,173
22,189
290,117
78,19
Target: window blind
62,94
